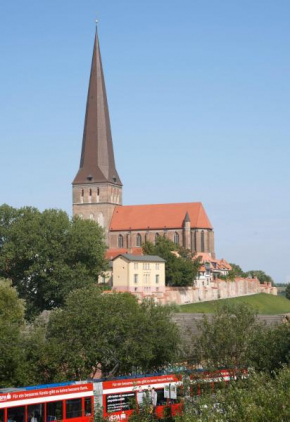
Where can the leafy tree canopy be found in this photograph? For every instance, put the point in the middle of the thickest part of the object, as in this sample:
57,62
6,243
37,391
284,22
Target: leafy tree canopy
225,336
11,323
287,291
237,271
47,255
108,331
181,267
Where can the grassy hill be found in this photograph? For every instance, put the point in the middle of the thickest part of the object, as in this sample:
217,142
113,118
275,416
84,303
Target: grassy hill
262,303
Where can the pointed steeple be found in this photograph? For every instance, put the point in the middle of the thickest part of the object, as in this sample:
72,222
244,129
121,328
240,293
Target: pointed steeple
186,219
97,163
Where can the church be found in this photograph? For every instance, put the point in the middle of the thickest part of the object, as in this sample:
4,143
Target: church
97,188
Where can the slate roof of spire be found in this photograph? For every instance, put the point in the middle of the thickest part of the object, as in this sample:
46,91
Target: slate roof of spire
159,217
97,159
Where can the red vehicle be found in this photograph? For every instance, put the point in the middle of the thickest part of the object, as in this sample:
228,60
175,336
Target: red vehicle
74,401
122,396
58,402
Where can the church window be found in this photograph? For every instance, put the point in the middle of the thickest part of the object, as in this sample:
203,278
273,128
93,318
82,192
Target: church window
176,238
156,237
138,240
83,192
98,191
120,241
202,241
90,192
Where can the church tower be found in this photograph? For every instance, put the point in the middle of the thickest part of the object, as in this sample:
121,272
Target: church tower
97,188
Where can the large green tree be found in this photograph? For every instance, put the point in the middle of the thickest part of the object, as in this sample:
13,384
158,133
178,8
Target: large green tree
225,337
108,331
11,326
47,255
181,266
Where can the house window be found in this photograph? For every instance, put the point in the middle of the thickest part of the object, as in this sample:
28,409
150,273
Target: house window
135,265
146,266
136,289
157,278
176,238
202,241
135,278
120,241
157,266
138,240
146,278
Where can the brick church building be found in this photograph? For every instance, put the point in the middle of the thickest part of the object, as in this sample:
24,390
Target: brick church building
97,187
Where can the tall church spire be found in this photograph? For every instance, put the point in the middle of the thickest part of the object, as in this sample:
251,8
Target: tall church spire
97,163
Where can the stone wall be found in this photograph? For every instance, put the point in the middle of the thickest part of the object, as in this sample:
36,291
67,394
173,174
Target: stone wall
219,289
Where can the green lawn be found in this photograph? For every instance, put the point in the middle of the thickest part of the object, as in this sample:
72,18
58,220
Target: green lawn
263,303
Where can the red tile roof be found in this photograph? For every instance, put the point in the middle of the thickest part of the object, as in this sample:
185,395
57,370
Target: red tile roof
159,217
112,253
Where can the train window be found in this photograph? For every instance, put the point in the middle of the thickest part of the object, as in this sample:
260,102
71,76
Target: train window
16,414
73,408
119,402
88,406
1,415
54,411
35,412
161,400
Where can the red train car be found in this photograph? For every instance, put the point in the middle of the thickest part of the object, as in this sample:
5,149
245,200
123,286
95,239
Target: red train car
71,402
122,396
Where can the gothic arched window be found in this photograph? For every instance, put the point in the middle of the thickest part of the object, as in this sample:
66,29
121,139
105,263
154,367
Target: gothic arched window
202,241
138,240
176,238
120,241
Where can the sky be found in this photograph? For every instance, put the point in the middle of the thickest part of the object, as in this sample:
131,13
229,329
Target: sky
198,94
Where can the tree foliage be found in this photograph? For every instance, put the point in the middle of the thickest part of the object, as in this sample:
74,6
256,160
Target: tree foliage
181,267
287,291
11,323
237,271
225,337
111,332
259,398
47,255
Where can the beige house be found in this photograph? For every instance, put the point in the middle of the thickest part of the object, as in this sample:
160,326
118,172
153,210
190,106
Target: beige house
139,274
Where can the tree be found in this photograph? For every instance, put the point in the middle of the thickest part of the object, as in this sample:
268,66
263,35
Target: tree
181,267
225,337
287,291
11,323
236,271
261,275
111,332
259,398
47,255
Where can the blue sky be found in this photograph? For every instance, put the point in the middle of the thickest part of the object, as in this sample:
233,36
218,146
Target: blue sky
198,93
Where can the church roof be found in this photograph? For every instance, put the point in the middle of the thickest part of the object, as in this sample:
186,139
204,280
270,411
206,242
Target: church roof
159,217
97,159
